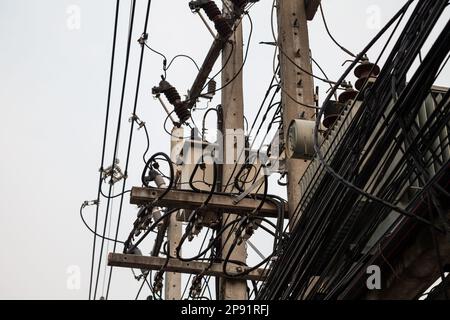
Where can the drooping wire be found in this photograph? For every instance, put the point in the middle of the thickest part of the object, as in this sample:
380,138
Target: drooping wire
91,230
331,36
162,55
182,56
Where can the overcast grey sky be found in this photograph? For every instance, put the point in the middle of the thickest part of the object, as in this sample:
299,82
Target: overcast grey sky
53,86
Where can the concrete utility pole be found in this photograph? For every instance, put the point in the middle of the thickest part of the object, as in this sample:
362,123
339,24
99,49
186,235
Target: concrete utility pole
174,230
297,86
233,136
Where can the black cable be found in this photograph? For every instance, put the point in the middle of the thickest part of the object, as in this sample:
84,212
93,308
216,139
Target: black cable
213,184
115,196
116,145
228,183
324,74
301,271
257,132
266,95
149,285
438,252
160,54
90,229
230,251
190,276
129,248
226,63
138,83
245,57
210,245
292,61
175,124
319,116
443,66
183,56
294,219
148,143
331,36
108,104
149,165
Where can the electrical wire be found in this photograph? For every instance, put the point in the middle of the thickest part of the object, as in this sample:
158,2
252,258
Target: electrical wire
316,223
138,82
318,119
182,56
275,38
108,106
331,36
161,55
116,145
91,230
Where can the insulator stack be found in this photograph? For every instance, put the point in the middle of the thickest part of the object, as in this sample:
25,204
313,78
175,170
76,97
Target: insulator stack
348,94
332,111
174,98
366,72
223,27
172,95
215,15
212,10
212,87
182,111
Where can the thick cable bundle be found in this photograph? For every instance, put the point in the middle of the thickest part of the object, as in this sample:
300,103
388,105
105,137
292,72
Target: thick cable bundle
337,222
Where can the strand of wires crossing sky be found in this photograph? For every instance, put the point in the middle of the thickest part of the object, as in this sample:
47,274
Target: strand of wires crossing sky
141,59
94,287
108,106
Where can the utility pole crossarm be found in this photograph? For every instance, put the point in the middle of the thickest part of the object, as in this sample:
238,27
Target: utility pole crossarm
184,199
191,267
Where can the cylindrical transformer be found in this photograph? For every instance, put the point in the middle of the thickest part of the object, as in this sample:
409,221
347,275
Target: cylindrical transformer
300,141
